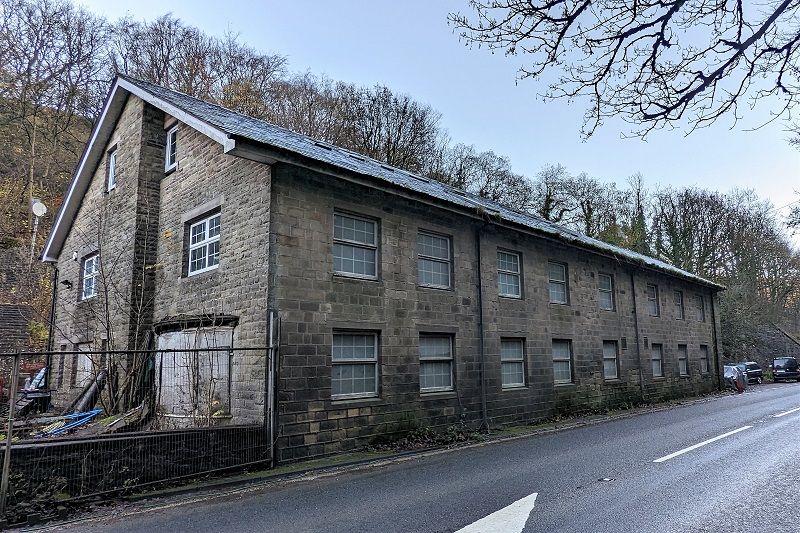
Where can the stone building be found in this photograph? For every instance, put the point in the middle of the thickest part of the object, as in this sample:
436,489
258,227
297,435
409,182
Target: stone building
403,302
15,314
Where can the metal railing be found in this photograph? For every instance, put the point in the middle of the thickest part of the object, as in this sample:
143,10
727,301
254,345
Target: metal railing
86,423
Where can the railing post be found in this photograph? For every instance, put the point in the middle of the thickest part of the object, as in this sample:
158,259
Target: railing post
12,400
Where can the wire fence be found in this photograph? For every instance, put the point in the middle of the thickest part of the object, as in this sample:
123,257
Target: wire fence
87,423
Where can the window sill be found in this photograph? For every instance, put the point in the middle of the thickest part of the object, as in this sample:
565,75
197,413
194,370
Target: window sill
563,304
435,395
362,400
170,170
436,288
356,277
570,384
203,274
613,310
659,378
613,381
510,297
510,388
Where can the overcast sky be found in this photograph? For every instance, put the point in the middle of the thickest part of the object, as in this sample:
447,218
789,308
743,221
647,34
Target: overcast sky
409,47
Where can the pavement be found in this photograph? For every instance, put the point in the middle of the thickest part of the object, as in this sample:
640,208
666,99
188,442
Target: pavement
725,464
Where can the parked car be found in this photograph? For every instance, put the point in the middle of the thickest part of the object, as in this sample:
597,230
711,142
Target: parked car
734,378
752,371
785,368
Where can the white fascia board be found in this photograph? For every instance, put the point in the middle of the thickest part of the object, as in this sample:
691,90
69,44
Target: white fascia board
80,179
93,152
205,128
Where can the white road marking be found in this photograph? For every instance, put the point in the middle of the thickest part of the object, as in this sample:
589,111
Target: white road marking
510,519
700,444
790,411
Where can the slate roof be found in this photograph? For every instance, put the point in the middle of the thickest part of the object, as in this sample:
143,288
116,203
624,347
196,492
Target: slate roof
239,125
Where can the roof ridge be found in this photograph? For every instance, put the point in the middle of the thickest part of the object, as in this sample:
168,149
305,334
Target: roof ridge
229,110
340,148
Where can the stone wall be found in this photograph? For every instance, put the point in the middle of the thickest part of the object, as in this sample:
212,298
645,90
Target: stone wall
116,224
314,302
207,180
276,253
140,230
16,313
14,322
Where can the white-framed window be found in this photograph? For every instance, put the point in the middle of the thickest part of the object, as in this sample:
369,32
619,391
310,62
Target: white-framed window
111,181
355,246
610,360
435,363
605,291
204,244
683,360
677,300
90,272
509,281
652,300
657,360
557,273
171,151
433,260
700,307
512,362
704,359
562,361
354,365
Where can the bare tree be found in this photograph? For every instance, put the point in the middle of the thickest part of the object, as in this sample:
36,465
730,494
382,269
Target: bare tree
486,174
170,53
734,239
689,227
635,232
48,53
390,127
48,80
550,196
118,314
310,105
599,207
652,63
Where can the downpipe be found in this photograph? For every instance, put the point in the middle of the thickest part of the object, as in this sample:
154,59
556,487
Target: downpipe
53,296
482,351
636,334
720,381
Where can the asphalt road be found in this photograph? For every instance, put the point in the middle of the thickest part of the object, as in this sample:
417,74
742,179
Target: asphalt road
599,478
